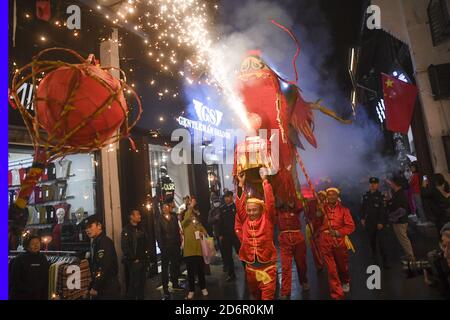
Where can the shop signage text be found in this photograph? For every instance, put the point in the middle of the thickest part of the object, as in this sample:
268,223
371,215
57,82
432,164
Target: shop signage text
206,114
208,121
199,126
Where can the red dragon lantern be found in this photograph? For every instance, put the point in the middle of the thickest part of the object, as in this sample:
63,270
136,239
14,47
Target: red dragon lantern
270,108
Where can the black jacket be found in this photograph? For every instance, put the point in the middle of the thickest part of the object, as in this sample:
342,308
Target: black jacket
167,231
214,217
373,210
226,221
29,277
103,263
134,242
399,200
439,206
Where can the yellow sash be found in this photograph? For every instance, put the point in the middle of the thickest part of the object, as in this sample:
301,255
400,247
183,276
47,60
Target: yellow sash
308,234
262,275
349,244
347,241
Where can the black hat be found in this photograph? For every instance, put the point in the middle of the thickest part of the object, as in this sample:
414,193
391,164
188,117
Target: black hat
90,220
374,180
228,193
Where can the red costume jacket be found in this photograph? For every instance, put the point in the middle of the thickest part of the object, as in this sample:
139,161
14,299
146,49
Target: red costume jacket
311,217
340,220
256,236
289,220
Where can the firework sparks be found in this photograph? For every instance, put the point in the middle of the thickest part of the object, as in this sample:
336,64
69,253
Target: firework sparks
180,28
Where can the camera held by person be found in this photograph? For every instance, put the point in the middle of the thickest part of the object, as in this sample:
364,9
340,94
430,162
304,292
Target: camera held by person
436,269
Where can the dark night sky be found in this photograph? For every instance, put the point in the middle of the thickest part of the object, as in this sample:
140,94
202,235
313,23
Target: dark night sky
343,23
342,18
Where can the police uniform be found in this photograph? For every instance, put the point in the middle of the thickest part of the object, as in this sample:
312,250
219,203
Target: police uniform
104,267
373,211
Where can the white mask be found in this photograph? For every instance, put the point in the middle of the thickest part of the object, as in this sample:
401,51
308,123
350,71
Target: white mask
60,214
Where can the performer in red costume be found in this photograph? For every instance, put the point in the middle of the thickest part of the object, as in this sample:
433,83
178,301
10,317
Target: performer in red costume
336,224
312,232
255,220
292,245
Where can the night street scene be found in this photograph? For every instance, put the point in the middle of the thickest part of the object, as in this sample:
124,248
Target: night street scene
228,150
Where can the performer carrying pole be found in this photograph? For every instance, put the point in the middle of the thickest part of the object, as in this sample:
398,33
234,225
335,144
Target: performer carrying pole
292,245
336,224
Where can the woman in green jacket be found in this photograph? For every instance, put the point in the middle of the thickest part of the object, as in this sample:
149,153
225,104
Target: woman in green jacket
193,231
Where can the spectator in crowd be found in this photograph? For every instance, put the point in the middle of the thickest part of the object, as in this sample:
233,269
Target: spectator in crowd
170,200
436,194
183,207
437,271
414,185
193,232
135,247
168,235
213,219
398,211
29,273
227,235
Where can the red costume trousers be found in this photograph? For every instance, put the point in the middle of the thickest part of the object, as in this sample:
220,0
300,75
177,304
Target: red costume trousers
292,245
336,262
261,281
317,257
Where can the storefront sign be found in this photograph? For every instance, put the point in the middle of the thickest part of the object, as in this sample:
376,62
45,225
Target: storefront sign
197,125
208,121
206,114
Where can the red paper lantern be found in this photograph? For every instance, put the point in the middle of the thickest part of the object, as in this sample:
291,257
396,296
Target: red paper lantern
83,98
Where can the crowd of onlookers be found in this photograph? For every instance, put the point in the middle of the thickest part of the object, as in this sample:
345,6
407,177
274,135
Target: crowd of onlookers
181,236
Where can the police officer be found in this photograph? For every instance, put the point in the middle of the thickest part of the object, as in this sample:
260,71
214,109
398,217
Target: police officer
102,262
227,235
374,218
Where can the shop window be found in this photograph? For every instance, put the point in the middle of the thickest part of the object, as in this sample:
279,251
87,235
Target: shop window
64,196
161,183
214,179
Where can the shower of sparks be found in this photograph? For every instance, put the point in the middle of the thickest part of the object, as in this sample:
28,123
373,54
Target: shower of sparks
180,44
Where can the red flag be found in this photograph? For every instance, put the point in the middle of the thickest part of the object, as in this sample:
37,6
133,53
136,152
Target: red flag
43,9
399,99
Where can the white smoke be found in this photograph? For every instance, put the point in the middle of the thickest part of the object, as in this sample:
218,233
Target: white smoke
345,152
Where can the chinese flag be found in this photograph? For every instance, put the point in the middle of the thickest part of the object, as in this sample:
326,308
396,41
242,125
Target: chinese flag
43,9
399,99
